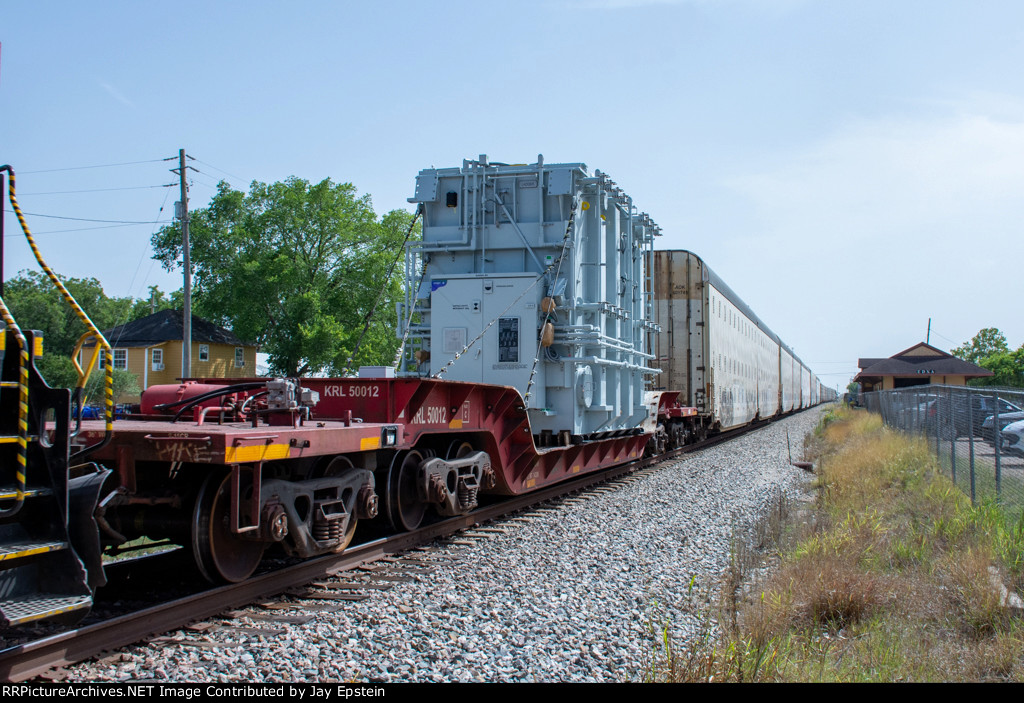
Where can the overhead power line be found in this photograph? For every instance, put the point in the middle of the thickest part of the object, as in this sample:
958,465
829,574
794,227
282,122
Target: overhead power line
74,229
89,219
226,173
98,190
80,168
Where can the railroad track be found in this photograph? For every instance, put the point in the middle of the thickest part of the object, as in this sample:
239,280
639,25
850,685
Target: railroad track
25,661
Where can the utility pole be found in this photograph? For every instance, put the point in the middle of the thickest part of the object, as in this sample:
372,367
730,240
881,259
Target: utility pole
928,339
182,214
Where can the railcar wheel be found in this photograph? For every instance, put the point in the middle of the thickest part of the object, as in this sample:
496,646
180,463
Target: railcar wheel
457,450
221,555
405,508
346,539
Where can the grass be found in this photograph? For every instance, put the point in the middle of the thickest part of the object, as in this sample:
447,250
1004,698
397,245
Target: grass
1009,491
143,546
887,578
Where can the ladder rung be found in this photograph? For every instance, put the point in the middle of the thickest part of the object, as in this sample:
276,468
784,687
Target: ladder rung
27,549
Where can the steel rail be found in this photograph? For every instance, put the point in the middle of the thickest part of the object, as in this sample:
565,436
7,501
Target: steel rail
24,661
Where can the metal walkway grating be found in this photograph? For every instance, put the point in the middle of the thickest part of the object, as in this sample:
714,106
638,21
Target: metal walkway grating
36,607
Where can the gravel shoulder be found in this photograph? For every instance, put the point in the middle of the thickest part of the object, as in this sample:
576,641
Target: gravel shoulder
565,595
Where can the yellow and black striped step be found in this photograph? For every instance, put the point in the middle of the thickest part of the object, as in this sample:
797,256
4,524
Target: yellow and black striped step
17,611
27,549
13,438
11,493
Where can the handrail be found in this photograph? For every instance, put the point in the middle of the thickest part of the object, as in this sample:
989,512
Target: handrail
101,341
23,360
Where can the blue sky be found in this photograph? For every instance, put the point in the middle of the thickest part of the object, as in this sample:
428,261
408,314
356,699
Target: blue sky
849,168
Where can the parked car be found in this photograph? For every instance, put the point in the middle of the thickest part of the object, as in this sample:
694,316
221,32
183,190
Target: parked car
1013,438
912,410
96,412
964,418
1004,420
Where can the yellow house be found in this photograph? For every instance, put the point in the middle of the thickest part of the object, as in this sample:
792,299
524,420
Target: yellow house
920,365
151,348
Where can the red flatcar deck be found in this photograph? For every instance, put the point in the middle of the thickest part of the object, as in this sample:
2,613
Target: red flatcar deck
421,411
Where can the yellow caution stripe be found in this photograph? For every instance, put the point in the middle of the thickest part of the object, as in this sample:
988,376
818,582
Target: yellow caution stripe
16,552
15,494
255,452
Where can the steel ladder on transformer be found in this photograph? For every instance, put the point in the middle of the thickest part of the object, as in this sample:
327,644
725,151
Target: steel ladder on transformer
41,575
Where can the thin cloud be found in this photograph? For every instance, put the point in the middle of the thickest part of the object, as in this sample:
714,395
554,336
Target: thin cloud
915,177
116,94
915,217
774,5
626,4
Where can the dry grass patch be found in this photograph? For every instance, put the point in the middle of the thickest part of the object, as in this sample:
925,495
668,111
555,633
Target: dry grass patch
890,580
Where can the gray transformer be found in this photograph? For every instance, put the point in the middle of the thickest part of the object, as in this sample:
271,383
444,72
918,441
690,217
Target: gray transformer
533,276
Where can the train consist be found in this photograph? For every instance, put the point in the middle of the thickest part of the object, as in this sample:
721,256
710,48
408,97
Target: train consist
543,337
725,362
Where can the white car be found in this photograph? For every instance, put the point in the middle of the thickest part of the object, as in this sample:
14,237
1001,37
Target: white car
1013,438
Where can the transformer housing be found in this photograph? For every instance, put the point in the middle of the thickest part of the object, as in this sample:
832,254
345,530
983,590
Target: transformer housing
536,277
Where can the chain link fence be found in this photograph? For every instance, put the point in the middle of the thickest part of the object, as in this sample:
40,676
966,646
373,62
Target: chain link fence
977,434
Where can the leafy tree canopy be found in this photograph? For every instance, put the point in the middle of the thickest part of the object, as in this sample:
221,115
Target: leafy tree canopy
295,268
1008,368
987,342
37,304
157,301
989,350
59,372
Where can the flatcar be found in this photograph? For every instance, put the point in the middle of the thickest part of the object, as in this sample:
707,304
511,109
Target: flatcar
530,351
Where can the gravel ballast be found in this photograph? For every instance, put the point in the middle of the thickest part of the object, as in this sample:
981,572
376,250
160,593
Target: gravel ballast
567,594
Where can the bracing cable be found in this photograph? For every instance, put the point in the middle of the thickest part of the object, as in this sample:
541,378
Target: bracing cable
383,289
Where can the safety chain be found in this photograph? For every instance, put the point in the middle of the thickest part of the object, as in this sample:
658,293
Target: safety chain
547,313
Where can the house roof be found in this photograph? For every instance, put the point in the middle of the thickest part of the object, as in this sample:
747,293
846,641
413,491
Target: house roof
167,325
923,359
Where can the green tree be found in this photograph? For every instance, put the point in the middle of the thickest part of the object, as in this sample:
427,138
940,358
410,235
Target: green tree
125,384
157,301
296,268
989,350
36,304
1007,367
987,342
59,372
